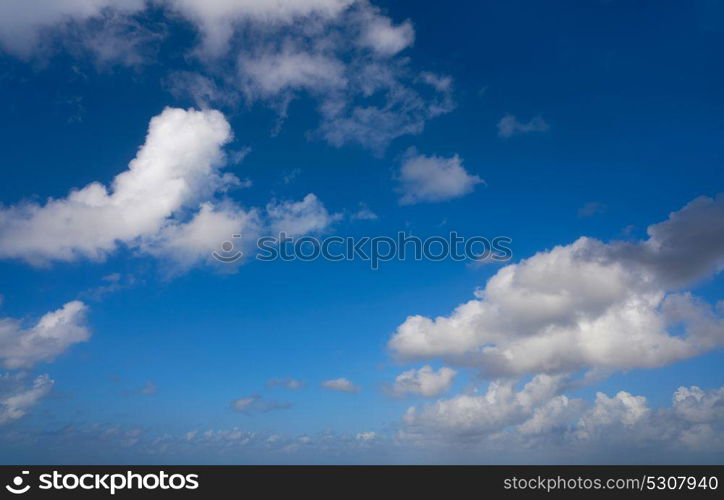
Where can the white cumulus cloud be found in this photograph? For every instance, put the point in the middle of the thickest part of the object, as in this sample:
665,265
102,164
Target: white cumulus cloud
381,35
509,126
22,22
256,404
424,381
341,384
50,337
176,166
290,384
434,178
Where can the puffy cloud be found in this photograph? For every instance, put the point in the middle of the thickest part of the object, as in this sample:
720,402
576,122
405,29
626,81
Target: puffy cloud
341,384
364,213
424,382
355,118
296,218
51,336
343,53
470,415
177,164
168,203
591,208
590,306
530,424
539,417
509,126
255,404
587,305
434,178
191,242
16,400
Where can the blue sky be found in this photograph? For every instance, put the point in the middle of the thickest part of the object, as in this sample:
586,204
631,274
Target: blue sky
597,119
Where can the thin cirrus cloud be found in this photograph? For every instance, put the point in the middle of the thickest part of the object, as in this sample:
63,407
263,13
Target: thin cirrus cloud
429,179
290,384
341,385
217,19
22,24
509,125
148,389
345,54
169,203
503,421
384,38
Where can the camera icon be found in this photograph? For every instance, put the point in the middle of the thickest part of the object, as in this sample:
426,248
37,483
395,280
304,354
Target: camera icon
228,253
17,487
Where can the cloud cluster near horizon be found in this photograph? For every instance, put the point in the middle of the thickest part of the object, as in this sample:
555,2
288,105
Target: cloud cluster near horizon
588,306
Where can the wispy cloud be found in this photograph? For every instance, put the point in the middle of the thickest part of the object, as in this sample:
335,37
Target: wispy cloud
509,126
256,404
16,399
342,385
290,384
